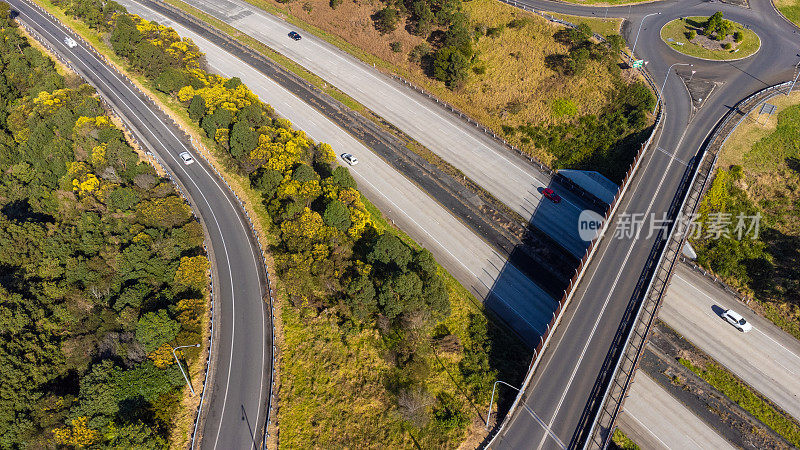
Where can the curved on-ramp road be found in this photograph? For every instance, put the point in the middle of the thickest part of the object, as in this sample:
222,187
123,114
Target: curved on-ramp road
236,402
564,379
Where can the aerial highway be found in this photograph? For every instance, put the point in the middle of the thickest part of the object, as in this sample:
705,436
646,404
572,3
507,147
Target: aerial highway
564,378
677,164
503,174
476,264
235,404
654,419
766,358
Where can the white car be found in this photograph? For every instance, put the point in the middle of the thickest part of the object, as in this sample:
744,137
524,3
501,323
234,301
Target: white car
737,320
350,159
69,42
187,158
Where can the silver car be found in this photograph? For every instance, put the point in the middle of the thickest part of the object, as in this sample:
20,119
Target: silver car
350,159
187,158
737,320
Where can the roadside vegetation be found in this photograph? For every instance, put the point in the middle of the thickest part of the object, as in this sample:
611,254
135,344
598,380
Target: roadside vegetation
603,27
102,269
547,90
749,400
379,346
759,174
712,37
619,441
790,9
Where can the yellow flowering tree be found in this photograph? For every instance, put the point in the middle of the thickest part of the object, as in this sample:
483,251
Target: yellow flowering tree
162,356
193,271
77,435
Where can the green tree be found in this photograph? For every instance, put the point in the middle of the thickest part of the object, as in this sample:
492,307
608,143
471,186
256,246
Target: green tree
171,80
267,181
221,118
122,199
97,399
156,328
386,20
341,177
390,251
423,18
243,139
197,108
450,66
337,215
232,83
718,26
126,37
360,297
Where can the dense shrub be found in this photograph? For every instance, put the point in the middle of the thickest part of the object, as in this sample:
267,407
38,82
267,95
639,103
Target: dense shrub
88,296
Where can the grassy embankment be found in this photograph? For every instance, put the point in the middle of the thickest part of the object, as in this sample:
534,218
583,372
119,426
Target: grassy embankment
679,31
622,442
313,406
790,9
759,174
510,84
744,396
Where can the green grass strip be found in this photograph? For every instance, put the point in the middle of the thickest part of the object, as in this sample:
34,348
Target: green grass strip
744,396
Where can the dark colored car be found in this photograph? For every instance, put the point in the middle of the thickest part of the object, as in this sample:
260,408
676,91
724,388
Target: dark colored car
295,35
551,195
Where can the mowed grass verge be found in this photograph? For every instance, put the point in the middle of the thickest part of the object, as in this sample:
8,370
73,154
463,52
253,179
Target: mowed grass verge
600,26
510,84
767,150
735,389
674,34
790,9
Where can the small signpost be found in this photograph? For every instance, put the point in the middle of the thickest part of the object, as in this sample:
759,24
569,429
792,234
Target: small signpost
637,63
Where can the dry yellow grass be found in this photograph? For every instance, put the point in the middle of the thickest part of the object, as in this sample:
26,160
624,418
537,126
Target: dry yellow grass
514,60
752,129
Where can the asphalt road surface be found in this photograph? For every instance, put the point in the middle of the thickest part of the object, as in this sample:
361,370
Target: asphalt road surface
479,268
503,174
566,374
766,358
654,419
236,406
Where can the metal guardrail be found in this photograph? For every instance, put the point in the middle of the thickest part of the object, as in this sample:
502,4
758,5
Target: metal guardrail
593,246
600,432
136,139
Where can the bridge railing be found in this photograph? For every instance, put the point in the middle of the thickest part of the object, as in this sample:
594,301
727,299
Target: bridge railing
568,293
668,251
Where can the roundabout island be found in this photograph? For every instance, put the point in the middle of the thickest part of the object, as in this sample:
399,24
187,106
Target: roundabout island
710,37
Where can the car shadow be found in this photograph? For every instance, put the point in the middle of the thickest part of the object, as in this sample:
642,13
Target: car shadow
718,310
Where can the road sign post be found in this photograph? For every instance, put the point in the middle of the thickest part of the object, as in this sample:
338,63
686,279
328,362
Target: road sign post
637,63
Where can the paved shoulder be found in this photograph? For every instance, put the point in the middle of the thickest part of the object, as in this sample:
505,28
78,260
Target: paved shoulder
767,358
655,419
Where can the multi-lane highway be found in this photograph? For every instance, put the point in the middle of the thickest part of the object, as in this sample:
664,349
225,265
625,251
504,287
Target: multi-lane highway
568,370
767,358
566,374
235,405
644,420
676,128
469,258
503,174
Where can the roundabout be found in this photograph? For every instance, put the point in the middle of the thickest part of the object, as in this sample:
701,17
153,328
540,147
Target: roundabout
711,38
